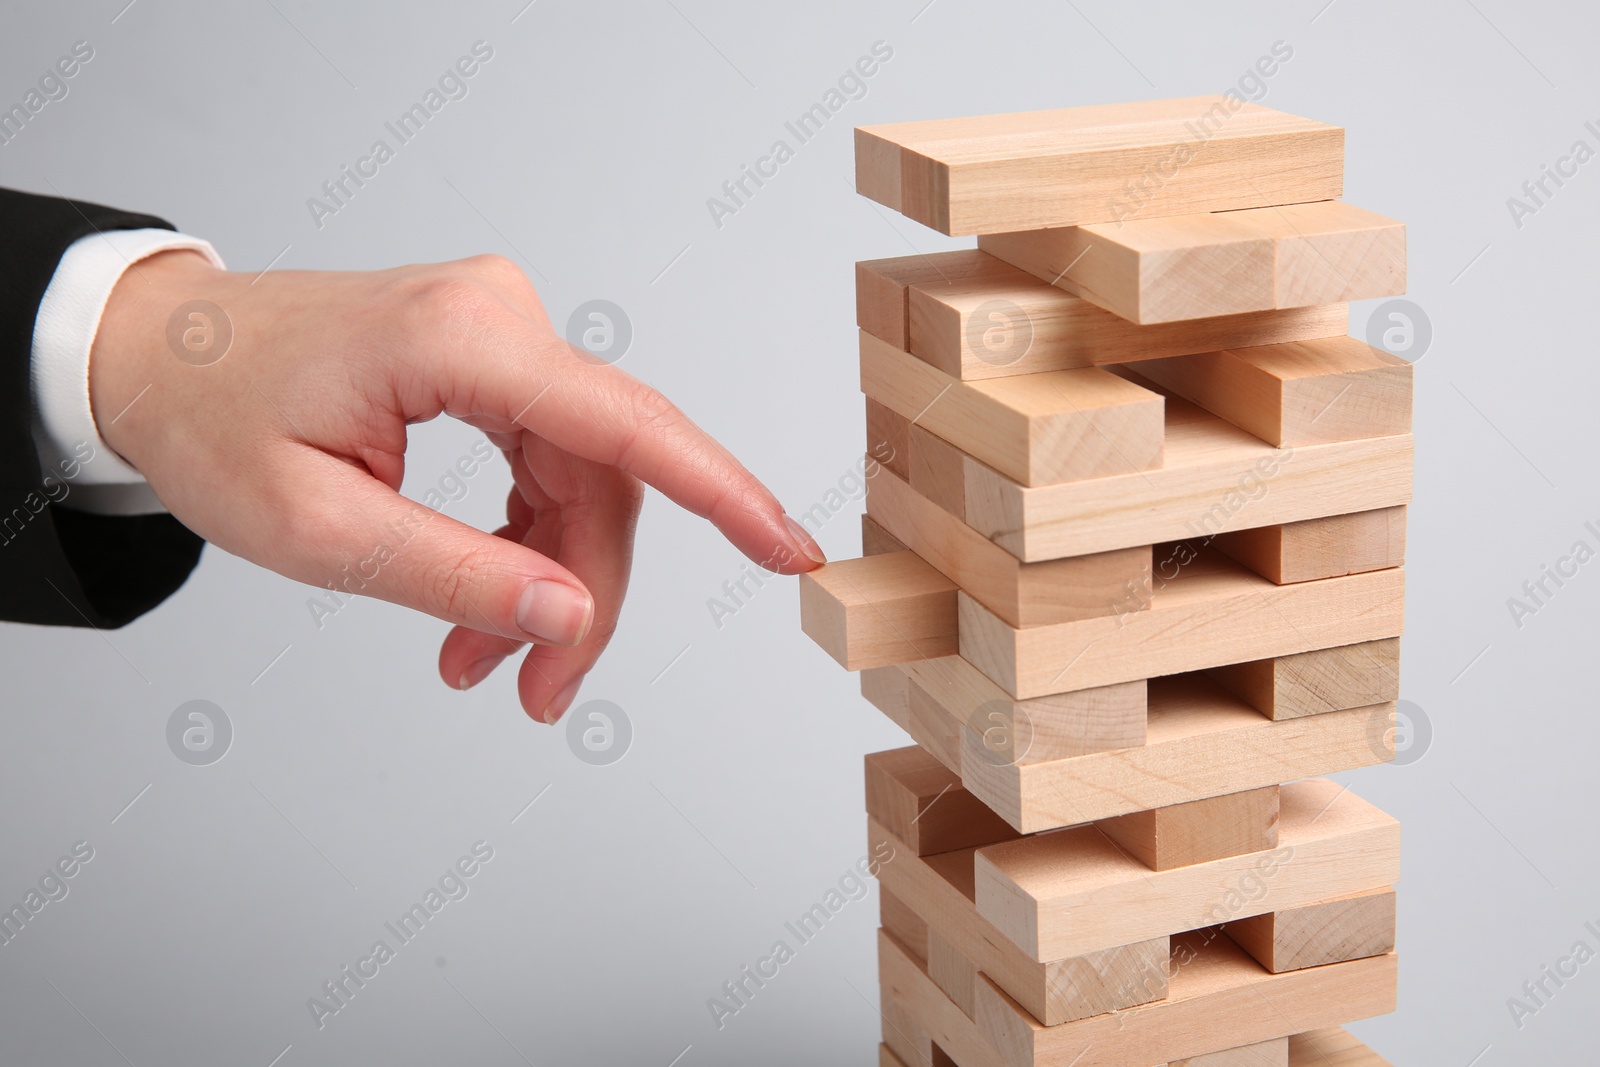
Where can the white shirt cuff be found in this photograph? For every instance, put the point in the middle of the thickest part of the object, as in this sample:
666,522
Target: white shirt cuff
71,450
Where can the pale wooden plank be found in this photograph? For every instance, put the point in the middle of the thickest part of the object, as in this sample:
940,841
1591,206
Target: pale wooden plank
1186,267
1199,830
1000,322
1311,683
922,803
1040,429
1328,931
1067,893
1296,393
1215,478
1072,166
1320,548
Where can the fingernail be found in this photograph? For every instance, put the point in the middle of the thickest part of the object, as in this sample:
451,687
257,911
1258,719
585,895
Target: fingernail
478,671
803,539
554,612
563,700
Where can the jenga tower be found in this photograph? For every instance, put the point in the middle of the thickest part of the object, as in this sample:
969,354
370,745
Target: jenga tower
1131,581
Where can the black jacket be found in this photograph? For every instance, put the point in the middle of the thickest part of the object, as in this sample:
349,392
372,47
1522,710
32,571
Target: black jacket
59,566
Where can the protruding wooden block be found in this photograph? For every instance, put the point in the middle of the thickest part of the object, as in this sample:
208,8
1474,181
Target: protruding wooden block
1214,612
1274,1053
1297,393
939,890
1105,163
1323,680
1026,594
1199,831
1185,267
1329,931
882,286
879,610
1219,999
1059,426
922,803
1067,893
1202,742
1004,321
1216,478
1321,548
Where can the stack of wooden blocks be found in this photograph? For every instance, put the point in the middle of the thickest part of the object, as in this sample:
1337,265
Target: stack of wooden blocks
1132,578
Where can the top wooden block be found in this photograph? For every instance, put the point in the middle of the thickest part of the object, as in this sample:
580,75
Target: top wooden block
1106,163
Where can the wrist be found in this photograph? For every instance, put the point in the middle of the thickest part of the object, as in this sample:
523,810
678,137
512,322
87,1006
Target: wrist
161,318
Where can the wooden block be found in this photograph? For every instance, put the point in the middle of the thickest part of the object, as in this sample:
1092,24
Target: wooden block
1106,163
1212,613
888,438
937,470
1311,683
886,689
1216,478
952,972
1058,426
1027,594
1067,893
882,286
1296,393
1221,998
905,1038
1312,935
1199,831
939,889
879,610
901,920
1274,1053
1202,743
1332,1047
887,1058
922,803
1320,548
1033,731
1005,321
1185,267
875,540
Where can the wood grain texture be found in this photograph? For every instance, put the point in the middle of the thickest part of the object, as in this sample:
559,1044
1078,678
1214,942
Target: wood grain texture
879,610
938,889
1033,731
1212,613
1218,1000
901,920
1320,548
1040,429
922,803
882,286
1003,321
1274,1053
1072,166
1331,1047
1311,683
1296,393
1202,742
1328,931
1027,594
1185,267
1198,831
889,438
1067,893
952,972
1215,478
875,540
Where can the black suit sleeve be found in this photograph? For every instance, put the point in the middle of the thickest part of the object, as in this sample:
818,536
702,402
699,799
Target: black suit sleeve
59,566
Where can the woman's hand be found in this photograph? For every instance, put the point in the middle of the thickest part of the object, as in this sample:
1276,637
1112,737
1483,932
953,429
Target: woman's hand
288,450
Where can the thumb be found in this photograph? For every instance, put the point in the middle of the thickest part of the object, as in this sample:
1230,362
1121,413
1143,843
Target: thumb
386,546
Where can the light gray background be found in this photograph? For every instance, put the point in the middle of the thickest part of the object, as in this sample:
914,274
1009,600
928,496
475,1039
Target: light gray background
618,903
